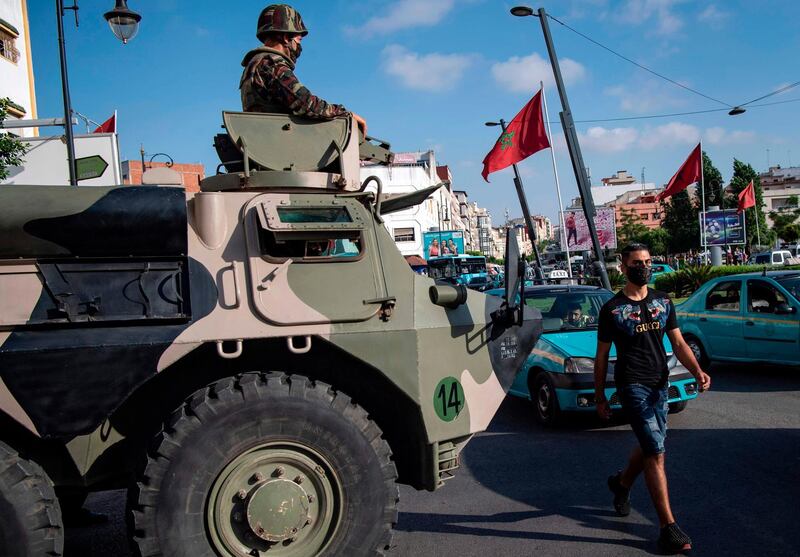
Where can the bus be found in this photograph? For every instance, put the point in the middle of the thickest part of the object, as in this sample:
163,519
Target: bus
469,270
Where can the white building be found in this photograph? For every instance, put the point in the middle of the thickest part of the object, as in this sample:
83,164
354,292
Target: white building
605,194
16,64
777,186
413,172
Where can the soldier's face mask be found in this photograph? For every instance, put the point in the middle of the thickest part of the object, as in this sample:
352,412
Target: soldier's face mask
294,48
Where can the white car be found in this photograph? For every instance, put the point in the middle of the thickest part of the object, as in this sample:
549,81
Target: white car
775,257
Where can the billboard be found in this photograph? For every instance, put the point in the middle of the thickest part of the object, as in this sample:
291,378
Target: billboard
446,242
577,230
722,228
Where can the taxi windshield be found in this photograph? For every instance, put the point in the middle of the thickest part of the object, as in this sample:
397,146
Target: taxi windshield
568,311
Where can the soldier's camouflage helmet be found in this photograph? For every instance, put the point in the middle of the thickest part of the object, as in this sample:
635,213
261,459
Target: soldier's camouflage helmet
279,18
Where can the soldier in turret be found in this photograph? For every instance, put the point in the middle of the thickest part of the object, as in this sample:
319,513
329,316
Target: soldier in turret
268,82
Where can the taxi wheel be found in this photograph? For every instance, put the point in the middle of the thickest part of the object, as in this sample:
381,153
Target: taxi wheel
545,402
699,352
675,407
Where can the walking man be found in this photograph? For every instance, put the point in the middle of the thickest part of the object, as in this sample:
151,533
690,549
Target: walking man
635,320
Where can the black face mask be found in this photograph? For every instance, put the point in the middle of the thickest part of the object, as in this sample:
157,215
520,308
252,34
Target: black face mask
294,52
639,275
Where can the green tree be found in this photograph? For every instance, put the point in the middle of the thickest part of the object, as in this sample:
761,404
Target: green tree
657,240
11,149
631,228
743,173
713,185
784,221
681,223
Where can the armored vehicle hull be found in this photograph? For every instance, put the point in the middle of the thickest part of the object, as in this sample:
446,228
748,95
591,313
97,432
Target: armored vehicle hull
258,366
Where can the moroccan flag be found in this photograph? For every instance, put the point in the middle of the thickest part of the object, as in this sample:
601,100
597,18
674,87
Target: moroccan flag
689,173
523,136
747,197
109,126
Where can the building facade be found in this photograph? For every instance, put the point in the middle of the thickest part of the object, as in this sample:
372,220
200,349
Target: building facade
414,171
447,209
16,64
778,185
643,205
191,173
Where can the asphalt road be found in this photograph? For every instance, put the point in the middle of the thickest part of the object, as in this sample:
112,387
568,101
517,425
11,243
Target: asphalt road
733,463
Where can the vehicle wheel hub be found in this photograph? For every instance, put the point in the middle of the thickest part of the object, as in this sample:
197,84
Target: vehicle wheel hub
280,498
544,399
277,510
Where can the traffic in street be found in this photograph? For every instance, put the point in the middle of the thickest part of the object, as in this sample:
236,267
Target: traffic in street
525,489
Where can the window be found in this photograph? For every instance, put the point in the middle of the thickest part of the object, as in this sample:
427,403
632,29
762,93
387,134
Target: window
305,232
762,297
404,234
724,297
568,311
322,245
313,214
7,48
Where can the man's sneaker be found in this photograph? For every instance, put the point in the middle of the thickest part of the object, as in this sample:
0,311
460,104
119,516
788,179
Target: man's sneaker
674,540
622,495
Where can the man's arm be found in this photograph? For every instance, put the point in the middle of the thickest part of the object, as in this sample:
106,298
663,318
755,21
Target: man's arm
686,357
600,371
298,98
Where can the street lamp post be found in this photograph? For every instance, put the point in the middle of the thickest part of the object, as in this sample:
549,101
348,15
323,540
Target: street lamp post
60,11
125,24
571,137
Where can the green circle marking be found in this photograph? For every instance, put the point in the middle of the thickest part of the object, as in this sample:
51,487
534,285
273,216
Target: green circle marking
448,399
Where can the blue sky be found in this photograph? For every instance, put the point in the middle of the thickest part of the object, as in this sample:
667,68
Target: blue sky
429,73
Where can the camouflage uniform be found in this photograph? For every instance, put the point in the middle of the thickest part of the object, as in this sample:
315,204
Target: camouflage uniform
269,85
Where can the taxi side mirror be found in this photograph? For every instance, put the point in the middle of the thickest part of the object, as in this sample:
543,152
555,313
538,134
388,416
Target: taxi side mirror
784,309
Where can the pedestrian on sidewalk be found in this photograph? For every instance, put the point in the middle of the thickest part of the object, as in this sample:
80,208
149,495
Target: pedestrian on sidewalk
635,320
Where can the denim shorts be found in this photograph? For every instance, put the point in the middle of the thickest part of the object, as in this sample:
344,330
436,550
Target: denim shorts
646,408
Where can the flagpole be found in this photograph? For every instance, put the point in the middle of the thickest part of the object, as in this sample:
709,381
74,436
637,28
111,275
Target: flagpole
558,184
526,212
755,207
703,197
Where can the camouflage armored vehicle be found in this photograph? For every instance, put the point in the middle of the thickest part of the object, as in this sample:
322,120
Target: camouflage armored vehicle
256,362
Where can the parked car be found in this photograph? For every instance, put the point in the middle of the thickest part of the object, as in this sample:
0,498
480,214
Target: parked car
750,317
775,257
659,269
558,374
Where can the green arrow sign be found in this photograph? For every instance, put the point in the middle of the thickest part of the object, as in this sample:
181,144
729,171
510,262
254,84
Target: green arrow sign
90,167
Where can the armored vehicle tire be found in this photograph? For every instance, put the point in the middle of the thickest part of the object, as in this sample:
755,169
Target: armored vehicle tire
267,462
545,401
30,517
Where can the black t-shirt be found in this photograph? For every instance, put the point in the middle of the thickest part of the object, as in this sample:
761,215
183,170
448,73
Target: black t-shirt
637,330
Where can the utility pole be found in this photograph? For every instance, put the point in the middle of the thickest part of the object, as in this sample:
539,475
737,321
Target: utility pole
571,136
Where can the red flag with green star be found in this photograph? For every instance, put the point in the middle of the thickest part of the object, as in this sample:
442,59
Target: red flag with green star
523,136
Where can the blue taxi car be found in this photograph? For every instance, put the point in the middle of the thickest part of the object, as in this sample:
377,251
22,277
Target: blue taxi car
657,270
558,375
751,317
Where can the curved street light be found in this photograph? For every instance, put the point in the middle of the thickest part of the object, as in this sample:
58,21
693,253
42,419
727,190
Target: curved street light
123,21
169,164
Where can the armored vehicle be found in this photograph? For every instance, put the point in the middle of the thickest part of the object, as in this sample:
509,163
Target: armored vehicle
255,362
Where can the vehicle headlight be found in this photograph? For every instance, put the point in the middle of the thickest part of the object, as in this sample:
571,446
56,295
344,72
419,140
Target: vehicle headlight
579,365
672,361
